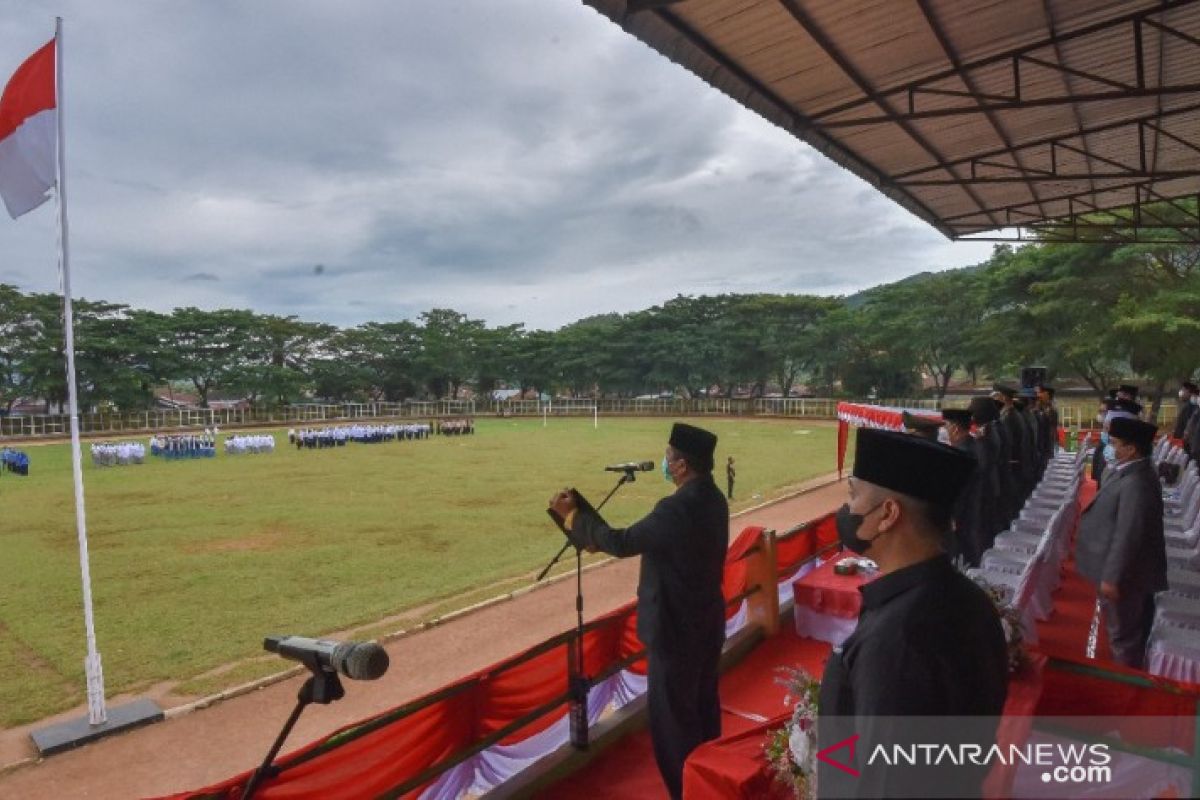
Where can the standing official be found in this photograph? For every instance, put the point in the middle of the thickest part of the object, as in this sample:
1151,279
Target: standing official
730,474
1014,425
1032,447
928,641
1187,393
1048,417
1121,545
681,611
971,513
990,460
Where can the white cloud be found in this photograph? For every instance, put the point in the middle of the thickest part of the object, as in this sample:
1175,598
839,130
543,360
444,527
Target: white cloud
519,161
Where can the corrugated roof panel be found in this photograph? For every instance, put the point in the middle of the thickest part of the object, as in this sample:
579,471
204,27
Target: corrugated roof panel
873,84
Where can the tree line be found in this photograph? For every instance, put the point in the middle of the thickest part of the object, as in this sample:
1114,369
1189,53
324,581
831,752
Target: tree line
1097,313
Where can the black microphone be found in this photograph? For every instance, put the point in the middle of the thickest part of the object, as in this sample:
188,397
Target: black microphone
631,466
363,661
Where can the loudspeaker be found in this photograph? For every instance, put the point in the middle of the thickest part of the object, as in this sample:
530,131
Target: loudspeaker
1032,377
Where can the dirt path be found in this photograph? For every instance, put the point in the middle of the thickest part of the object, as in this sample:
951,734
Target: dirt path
195,749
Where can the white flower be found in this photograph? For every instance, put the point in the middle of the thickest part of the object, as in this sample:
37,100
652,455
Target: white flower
799,745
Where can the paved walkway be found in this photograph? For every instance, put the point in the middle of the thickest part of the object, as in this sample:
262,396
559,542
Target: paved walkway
195,749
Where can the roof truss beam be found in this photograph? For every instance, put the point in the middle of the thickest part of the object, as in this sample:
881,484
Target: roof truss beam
797,122
634,6
823,41
1049,145
952,53
1015,105
1116,89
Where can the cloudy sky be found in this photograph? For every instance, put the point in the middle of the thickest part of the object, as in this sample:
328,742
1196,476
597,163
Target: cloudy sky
518,160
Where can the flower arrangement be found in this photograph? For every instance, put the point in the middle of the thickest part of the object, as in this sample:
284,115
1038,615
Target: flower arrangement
792,750
1010,622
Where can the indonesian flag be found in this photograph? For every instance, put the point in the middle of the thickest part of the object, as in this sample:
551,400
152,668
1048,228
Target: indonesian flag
28,130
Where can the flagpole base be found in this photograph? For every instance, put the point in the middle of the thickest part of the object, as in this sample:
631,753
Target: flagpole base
63,736
97,713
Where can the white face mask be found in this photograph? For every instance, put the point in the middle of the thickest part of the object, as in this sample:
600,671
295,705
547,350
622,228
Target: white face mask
943,436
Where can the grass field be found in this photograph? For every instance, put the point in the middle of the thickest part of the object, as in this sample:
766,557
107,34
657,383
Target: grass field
194,561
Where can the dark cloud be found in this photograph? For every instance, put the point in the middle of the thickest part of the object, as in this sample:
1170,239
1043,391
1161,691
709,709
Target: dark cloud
472,154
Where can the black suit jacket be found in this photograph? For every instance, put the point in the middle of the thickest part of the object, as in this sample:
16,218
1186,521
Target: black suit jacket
1185,413
683,543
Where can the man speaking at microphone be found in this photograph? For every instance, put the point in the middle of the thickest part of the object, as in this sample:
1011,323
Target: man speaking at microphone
681,612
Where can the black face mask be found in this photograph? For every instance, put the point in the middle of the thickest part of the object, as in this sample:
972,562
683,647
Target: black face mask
848,524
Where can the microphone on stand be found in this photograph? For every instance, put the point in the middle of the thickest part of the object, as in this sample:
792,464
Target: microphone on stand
362,661
631,466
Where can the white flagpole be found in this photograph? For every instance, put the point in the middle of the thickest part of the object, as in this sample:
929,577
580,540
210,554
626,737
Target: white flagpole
97,714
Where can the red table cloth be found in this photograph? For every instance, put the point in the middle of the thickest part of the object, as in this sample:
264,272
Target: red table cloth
826,592
736,766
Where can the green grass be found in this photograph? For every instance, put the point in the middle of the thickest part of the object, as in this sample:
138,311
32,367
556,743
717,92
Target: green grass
193,562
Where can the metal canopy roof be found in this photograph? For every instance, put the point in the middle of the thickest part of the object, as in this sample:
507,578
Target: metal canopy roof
1069,120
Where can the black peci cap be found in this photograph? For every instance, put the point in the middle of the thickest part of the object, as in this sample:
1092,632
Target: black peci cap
983,410
957,416
911,465
1128,389
917,422
1133,430
1130,406
695,442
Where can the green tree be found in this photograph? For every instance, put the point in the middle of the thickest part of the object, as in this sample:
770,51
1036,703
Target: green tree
212,346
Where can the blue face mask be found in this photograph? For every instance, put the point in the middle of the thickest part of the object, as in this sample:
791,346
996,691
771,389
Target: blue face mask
1110,453
667,470
1104,437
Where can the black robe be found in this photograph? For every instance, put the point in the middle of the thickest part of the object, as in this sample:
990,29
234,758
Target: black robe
1008,468
1031,470
972,518
1181,420
680,613
928,643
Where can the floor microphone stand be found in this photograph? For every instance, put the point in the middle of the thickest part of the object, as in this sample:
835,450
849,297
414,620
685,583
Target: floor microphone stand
578,683
321,687
626,477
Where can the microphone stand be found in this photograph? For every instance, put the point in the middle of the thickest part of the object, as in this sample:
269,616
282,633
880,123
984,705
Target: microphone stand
578,683
322,687
626,477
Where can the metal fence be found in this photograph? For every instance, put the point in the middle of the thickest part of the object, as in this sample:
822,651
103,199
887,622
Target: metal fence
199,418
1072,413
101,424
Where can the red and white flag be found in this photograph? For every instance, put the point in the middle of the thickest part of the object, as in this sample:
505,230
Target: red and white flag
28,130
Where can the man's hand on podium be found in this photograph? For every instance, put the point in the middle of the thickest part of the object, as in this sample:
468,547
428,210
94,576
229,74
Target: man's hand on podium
563,504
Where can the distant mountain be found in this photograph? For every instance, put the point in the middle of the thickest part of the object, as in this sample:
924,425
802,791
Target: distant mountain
860,299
